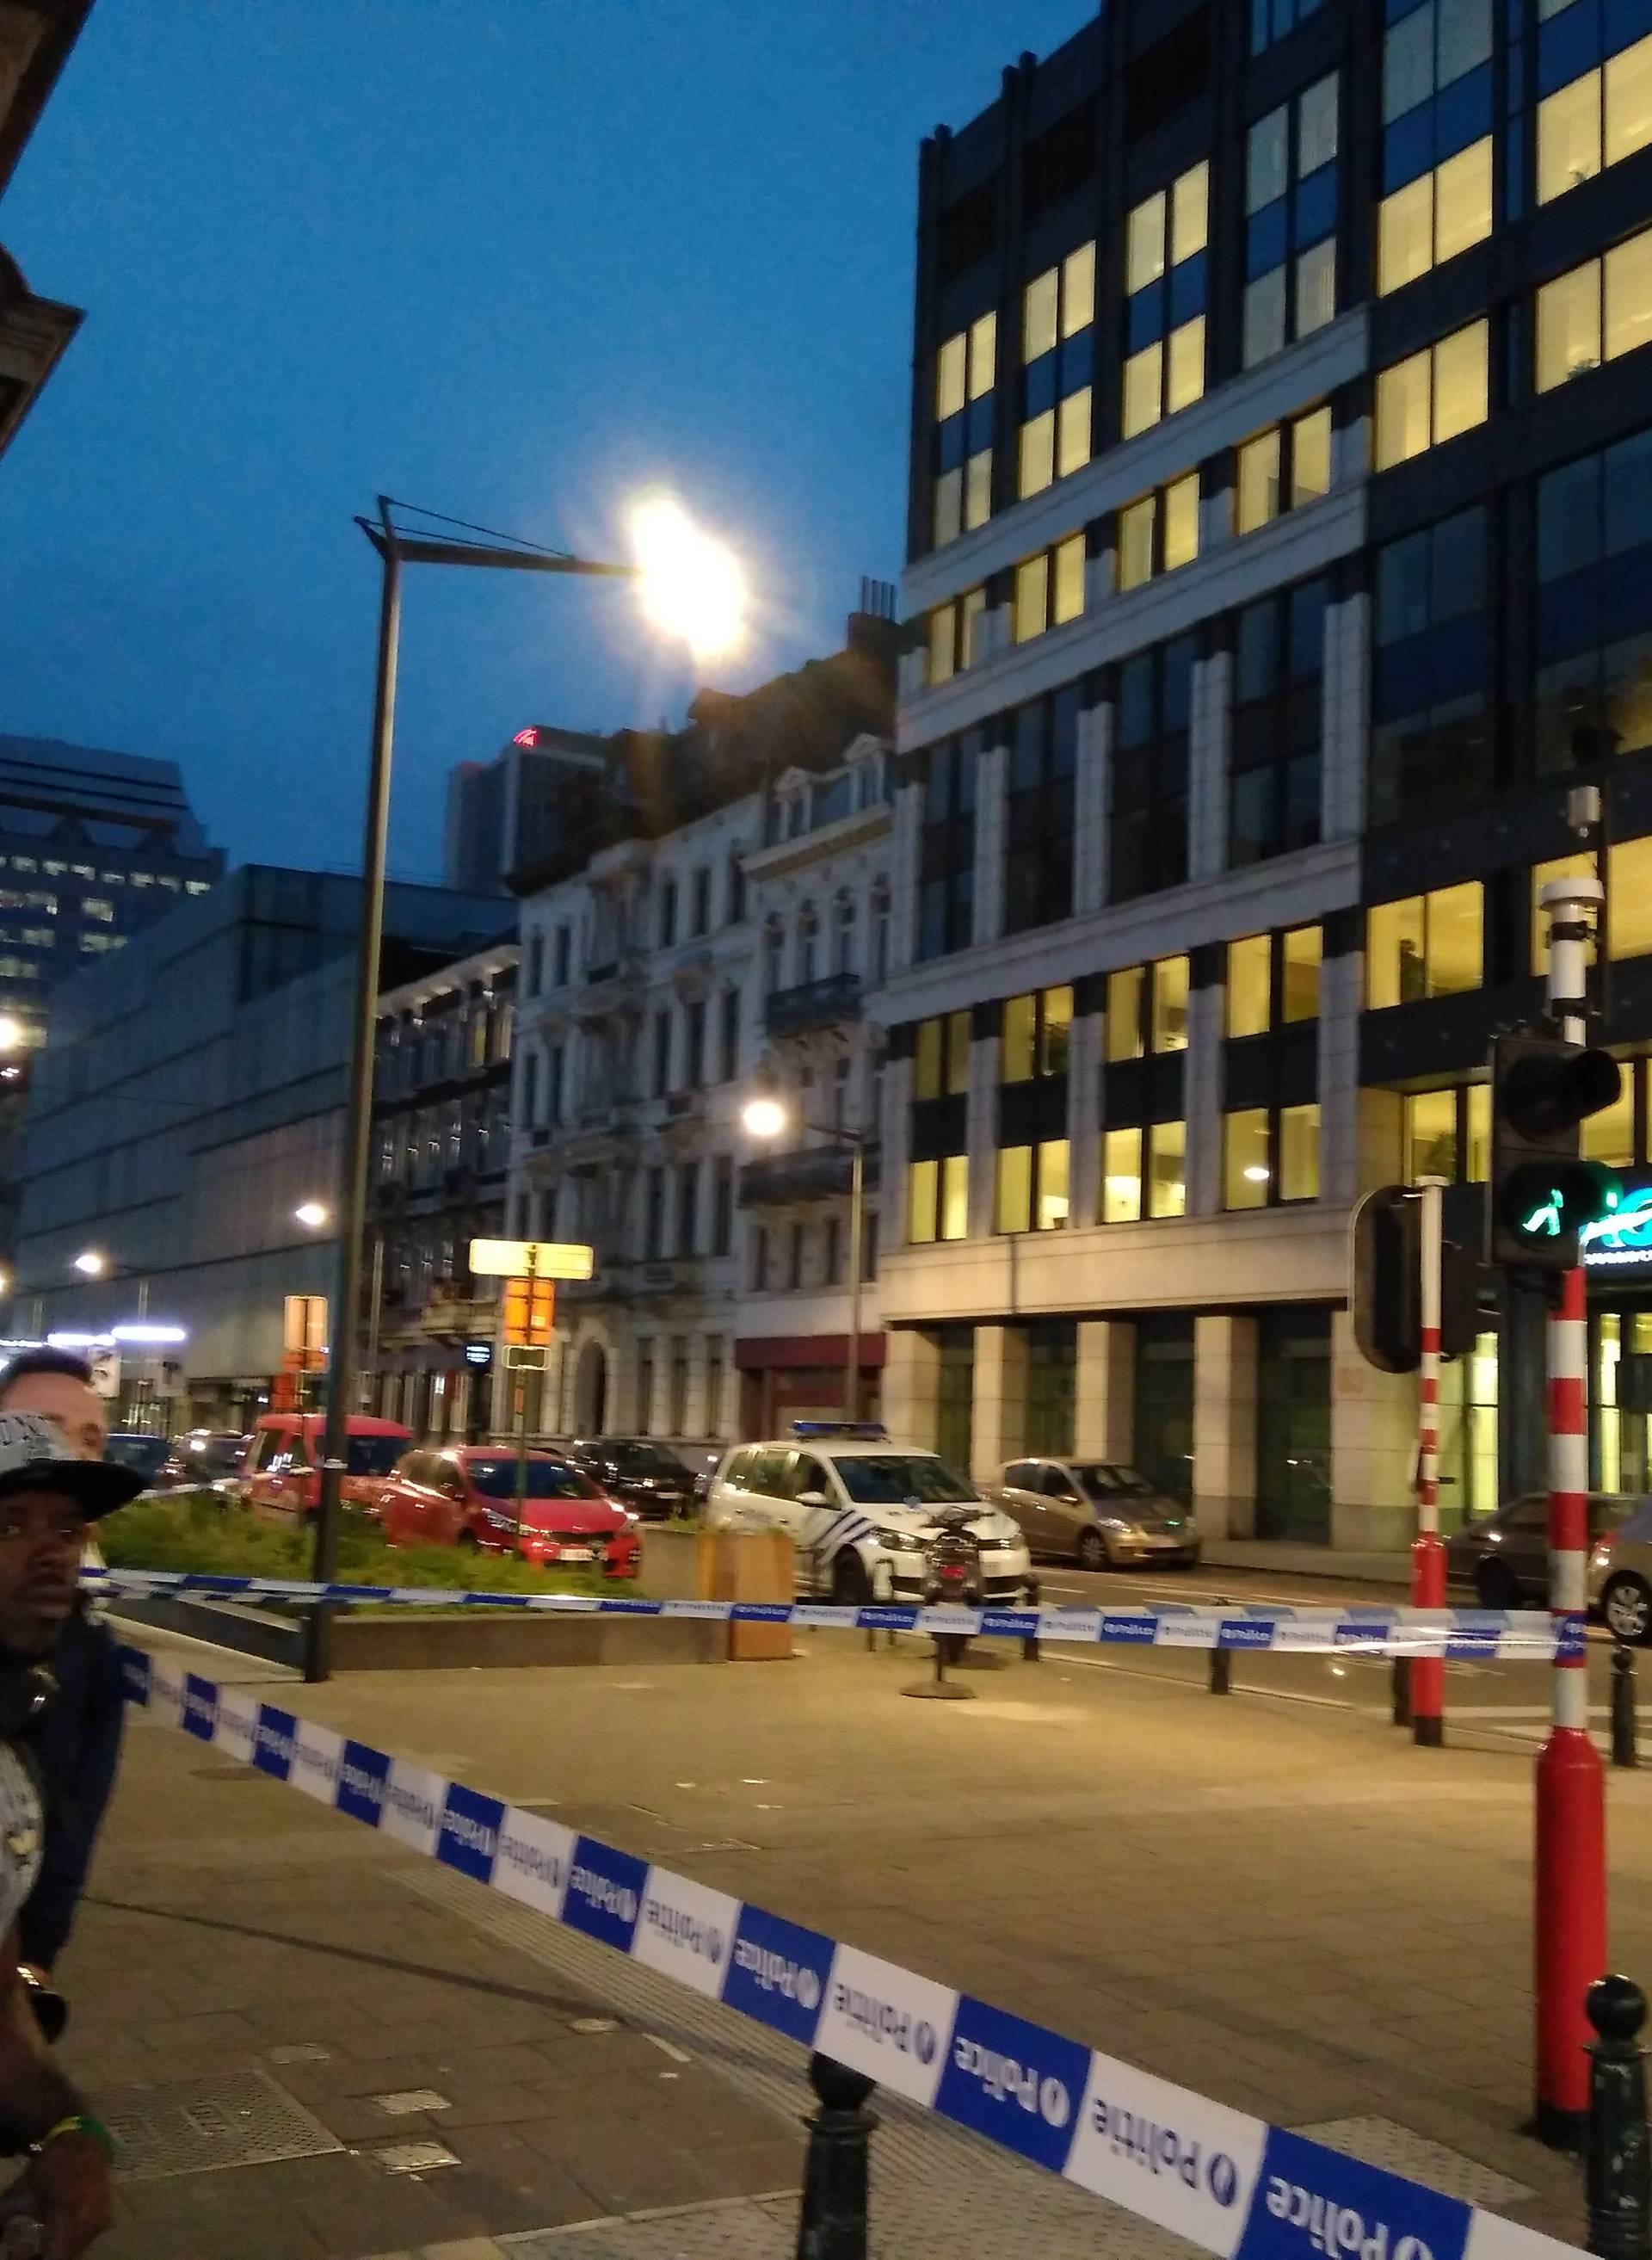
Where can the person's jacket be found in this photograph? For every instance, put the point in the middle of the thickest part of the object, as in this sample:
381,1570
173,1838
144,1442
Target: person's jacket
76,1747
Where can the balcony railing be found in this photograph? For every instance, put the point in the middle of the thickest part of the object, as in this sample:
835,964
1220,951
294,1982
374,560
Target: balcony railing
814,1004
812,1172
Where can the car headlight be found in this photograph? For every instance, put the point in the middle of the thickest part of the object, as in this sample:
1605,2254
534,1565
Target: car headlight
498,1519
901,1541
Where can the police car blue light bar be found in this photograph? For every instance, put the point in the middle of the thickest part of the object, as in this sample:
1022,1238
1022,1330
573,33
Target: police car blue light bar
863,1431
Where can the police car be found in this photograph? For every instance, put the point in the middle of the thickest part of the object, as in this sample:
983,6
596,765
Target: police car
867,1516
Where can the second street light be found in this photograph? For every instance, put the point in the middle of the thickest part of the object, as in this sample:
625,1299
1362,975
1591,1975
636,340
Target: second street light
766,1117
691,588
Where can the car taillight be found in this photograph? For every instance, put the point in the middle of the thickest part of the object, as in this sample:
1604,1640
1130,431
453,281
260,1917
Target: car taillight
955,1573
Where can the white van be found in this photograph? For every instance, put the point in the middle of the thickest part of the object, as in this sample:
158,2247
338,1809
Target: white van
864,1514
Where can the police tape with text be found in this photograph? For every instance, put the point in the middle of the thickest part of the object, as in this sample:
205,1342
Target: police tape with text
1459,1634
1232,2185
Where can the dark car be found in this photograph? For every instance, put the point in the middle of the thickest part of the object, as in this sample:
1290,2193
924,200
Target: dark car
646,1477
1504,1556
154,1458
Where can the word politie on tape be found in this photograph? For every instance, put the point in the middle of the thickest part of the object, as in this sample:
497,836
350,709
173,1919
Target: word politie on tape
1458,1635
1230,2184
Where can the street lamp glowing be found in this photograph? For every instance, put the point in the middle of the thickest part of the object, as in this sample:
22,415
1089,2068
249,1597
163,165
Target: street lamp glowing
310,1214
91,1264
763,1118
691,585
11,1032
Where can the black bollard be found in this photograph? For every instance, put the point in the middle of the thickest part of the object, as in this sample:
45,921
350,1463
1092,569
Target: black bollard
1402,1690
832,2223
1222,1671
1033,1598
1624,1752
1617,2163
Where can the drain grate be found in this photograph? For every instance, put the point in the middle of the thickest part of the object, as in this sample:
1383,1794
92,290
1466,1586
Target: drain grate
198,2125
1381,2142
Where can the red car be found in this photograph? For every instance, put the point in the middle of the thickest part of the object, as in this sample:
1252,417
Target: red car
466,1496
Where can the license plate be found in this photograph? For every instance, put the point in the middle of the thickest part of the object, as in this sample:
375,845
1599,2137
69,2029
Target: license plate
575,1554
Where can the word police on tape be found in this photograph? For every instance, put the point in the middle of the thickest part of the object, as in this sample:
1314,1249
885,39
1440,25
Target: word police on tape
1228,2183
1458,1635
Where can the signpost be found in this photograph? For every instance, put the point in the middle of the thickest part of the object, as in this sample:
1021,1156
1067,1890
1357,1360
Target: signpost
530,1269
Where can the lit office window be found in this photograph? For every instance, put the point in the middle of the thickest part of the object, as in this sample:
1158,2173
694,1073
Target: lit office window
966,368
1595,312
1282,469
1159,533
1432,395
1596,120
1049,588
1432,218
1426,945
1166,240
1058,317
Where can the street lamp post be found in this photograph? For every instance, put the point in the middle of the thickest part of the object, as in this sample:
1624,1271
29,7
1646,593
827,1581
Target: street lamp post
679,569
766,1117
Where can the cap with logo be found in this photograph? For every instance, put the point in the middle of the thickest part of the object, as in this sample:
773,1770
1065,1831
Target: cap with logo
34,1456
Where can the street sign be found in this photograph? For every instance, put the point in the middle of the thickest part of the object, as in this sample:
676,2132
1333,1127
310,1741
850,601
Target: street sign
526,1357
529,1310
523,1259
479,1354
305,1334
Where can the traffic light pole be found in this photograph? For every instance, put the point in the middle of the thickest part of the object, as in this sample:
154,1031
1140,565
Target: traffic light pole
1427,1555
1570,1878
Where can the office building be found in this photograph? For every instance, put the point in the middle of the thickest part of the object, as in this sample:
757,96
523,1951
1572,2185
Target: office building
525,804
1281,476
93,846
190,1101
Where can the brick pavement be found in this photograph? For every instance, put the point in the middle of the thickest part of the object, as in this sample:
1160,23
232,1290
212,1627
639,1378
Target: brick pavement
1280,1904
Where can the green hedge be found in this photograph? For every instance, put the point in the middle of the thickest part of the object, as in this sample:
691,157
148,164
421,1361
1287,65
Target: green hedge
205,1531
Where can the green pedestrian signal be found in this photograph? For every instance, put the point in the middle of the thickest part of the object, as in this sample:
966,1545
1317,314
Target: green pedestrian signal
1544,1204
1540,1193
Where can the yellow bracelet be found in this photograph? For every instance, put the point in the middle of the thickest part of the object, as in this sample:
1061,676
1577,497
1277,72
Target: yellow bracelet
80,2122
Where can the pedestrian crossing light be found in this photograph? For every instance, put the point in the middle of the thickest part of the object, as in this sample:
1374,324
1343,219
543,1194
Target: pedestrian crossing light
1541,1193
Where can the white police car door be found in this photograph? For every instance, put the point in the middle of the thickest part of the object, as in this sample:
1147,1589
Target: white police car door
822,1532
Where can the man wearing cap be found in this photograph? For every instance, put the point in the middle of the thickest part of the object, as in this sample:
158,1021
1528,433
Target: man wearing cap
48,1496
76,1747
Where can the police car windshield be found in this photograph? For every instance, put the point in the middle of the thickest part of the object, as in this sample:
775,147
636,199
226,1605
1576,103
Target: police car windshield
891,1478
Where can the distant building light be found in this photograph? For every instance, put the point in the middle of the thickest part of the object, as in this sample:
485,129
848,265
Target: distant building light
141,1331
525,738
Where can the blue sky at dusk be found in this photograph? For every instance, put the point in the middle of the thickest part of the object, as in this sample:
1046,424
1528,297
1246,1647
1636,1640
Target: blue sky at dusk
514,260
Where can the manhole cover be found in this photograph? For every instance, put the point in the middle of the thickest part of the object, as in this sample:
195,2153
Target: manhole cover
196,2126
413,2157
1379,2141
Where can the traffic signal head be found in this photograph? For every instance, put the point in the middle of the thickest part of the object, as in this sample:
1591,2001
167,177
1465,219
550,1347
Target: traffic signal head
1385,1287
1541,1194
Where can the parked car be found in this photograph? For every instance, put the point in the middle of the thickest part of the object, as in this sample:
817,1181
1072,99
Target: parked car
1621,1574
155,1458
635,1470
1097,1512
282,1470
866,1515
466,1496
1504,1555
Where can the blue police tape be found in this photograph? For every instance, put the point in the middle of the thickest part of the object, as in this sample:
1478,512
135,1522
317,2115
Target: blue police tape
1231,2184
1458,1635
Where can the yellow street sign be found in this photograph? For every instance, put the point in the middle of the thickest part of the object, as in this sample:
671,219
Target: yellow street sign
531,1259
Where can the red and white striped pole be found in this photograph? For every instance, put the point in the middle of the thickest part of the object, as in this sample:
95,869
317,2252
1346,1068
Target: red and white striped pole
1427,1555
1570,1926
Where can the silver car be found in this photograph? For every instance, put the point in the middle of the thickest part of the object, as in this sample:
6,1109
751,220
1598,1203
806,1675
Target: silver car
1620,1576
1097,1512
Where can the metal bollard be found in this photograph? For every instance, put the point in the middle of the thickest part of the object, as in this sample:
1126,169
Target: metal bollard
1402,1690
1030,1649
1624,1752
832,2223
1222,1671
1617,2163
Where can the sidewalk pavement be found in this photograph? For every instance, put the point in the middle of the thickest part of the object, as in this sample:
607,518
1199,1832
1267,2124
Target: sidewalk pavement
1278,1903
